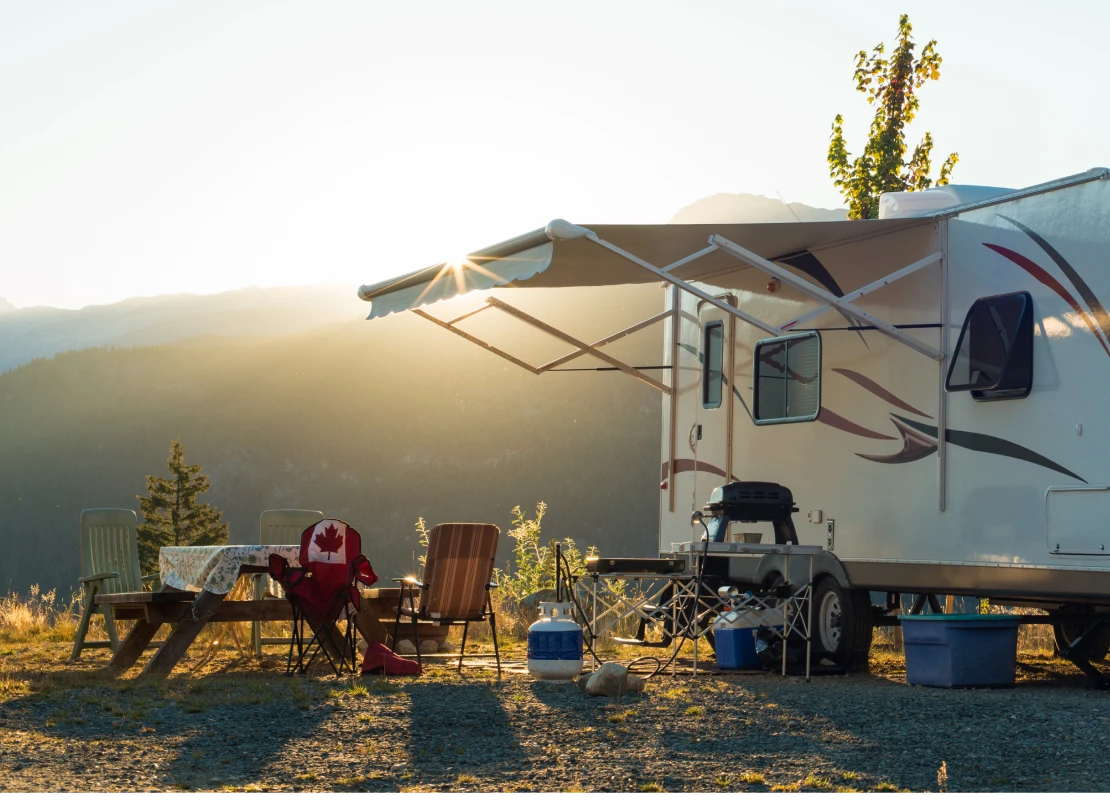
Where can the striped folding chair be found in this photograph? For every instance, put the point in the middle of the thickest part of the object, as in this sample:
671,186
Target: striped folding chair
456,584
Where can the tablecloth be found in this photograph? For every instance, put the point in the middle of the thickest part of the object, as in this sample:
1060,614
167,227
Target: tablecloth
216,568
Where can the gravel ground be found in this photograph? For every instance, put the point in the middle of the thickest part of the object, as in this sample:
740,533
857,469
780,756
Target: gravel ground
242,725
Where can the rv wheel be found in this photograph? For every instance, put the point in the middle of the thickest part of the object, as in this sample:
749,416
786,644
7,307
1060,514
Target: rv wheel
842,618
1094,647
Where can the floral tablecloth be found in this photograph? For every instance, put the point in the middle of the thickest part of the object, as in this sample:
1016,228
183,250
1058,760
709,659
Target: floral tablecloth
216,568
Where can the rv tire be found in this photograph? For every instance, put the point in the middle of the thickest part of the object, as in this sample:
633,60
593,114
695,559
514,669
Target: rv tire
842,622
1094,647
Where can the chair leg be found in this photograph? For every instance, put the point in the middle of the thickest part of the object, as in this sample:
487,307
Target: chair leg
110,624
83,627
416,639
496,652
462,647
397,622
256,626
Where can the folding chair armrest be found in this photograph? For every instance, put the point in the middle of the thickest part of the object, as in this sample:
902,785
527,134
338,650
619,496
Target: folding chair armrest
103,576
492,585
411,581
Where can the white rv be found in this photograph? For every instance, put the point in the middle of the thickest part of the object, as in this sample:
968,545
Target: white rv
931,386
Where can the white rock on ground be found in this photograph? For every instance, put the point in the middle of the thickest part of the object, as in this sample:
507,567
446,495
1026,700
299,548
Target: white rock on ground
612,680
405,648
429,646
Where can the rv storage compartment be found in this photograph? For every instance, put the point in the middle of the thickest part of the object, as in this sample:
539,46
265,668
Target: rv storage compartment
960,649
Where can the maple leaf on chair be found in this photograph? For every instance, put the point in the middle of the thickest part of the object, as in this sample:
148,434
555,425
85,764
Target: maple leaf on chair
329,541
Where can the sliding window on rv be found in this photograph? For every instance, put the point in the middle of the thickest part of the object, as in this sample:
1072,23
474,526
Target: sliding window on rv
994,354
713,377
787,379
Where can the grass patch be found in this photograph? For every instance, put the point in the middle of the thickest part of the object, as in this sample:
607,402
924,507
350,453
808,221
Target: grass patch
348,781
851,776
817,782
306,777
752,778
650,786
694,711
724,781
466,780
886,786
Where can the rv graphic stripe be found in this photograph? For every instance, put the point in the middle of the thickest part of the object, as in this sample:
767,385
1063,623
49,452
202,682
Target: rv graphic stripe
878,390
1093,303
915,446
1041,275
834,420
982,443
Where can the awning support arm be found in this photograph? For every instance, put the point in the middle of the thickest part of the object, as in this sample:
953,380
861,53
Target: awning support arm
593,351
695,291
475,340
582,347
607,340
863,290
817,293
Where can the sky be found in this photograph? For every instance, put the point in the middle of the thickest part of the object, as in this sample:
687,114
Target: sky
155,146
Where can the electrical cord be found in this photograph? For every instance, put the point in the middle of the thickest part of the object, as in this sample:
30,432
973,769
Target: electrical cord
562,568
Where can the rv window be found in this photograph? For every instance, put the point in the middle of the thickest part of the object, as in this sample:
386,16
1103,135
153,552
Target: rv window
788,379
994,354
712,374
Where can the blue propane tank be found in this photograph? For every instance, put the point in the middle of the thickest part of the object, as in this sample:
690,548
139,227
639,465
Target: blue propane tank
555,644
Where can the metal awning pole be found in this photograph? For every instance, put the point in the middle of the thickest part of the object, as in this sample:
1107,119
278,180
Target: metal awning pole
817,293
671,279
863,290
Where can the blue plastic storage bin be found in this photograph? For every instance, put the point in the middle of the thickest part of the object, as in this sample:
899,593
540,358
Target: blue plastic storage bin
960,649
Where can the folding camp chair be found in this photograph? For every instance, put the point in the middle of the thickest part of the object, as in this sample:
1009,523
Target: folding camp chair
456,585
323,591
109,564
277,526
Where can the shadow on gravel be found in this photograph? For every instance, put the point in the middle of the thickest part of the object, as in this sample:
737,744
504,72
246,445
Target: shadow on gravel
457,729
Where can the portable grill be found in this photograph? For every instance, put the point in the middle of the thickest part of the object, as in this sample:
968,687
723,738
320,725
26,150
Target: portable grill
751,501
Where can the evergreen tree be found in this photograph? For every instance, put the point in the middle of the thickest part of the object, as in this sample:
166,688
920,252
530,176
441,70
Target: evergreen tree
171,514
891,86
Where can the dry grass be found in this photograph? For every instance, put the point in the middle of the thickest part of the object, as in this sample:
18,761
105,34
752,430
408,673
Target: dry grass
42,615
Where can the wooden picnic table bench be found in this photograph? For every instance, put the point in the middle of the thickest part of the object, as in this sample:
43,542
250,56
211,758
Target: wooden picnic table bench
188,613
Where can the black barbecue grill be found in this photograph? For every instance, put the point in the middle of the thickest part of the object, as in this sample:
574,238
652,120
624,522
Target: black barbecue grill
751,501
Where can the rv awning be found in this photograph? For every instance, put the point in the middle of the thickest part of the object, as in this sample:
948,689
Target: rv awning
544,259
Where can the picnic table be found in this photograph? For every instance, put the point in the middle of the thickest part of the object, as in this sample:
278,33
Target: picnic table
196,584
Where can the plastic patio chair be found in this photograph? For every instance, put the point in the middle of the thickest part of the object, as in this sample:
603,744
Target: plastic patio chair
323,592
109,564
278,526
456,584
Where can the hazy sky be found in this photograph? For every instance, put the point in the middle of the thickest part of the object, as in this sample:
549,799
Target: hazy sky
153,146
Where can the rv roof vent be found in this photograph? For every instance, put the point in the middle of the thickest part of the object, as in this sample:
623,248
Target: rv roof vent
896,205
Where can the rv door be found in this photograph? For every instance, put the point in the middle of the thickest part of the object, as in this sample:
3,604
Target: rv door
713,459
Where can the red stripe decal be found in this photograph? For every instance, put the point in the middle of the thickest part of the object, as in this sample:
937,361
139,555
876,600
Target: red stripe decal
1041,275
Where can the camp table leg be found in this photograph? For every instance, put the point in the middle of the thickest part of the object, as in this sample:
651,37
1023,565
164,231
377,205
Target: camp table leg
183,635
786,618
134,645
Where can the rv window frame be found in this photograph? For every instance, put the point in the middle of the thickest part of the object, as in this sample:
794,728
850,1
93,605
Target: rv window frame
711,324
755,378
1023,341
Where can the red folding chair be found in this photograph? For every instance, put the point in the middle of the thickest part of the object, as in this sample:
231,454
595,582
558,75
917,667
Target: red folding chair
323,591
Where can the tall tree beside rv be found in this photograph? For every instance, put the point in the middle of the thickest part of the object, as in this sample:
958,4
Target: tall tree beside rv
891,86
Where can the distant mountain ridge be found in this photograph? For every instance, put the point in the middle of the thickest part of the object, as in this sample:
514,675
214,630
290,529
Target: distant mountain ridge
752,208
42,332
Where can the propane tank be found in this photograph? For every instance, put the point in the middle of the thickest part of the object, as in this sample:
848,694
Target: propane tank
555,644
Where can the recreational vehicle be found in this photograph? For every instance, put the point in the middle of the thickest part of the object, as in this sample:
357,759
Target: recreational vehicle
929,386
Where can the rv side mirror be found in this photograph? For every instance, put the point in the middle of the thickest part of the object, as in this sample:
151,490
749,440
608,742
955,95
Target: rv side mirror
994,354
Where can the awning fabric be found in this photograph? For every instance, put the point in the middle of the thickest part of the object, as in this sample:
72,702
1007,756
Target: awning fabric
535,261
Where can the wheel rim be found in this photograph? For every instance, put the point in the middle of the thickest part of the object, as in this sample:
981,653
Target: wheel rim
829,615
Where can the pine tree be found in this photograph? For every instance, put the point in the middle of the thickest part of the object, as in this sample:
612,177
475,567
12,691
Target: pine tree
171,514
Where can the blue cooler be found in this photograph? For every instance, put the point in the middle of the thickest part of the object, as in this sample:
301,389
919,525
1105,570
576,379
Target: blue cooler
734,642
960,649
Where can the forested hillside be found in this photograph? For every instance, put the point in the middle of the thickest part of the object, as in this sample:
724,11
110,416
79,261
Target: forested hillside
377,423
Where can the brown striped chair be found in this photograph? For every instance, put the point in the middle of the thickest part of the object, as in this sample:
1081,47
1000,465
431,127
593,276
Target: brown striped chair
458,574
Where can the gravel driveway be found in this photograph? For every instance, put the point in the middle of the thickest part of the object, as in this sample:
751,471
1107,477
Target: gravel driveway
243,725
